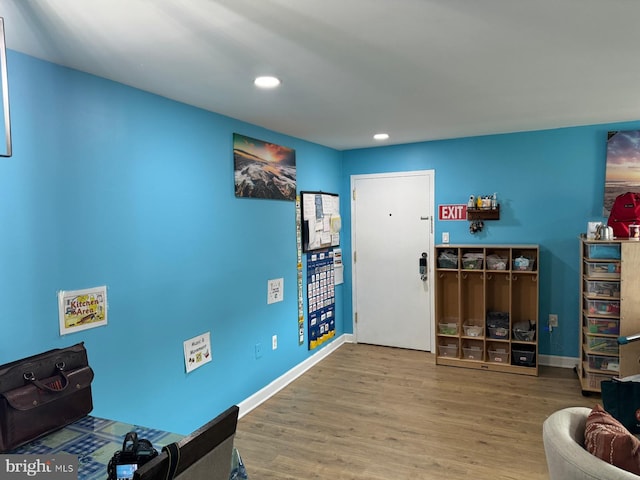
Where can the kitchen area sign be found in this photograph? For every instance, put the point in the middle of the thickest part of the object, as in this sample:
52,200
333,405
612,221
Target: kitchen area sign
452,212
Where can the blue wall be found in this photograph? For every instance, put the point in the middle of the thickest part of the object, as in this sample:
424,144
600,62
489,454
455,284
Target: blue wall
549,183
113,186
109,185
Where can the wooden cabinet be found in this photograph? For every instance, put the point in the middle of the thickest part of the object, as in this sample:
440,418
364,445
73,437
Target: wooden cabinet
487,307
609,308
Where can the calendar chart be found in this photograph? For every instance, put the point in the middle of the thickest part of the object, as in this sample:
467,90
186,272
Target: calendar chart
320,297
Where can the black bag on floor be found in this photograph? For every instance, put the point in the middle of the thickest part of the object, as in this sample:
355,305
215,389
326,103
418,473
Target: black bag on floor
622,400
42,393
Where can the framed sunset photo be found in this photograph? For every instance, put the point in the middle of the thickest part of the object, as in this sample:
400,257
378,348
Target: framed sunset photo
623,166
263,169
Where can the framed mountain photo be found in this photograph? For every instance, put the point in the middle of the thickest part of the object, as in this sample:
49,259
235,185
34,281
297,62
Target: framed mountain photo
263,169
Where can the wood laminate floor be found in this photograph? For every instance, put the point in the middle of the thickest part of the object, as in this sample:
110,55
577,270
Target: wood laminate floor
374,413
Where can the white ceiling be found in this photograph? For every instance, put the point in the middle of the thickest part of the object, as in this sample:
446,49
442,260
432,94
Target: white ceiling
416,69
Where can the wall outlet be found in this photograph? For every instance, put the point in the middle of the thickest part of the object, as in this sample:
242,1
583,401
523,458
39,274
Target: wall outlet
553,320
445,237
274,342
258,350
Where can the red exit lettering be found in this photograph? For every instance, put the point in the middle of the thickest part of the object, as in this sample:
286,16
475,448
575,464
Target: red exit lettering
452,212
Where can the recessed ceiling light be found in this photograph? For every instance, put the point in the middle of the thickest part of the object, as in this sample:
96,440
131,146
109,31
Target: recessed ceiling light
266,82
381,136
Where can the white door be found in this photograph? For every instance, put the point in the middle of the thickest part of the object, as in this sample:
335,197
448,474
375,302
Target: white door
392,218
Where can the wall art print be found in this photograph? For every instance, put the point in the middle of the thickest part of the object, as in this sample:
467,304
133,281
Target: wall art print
623,166
263,169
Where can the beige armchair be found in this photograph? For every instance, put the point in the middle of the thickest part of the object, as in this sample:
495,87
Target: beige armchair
567,459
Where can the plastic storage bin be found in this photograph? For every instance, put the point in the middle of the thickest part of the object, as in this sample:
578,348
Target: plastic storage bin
603,307
604,251
604,326
447,259
602,288
448,350
523,356
448,328
495,262
601,362
602,269
499,333
594,379
472,353
523,263
524,335
498,325
499,356
473,330
472,261
603,345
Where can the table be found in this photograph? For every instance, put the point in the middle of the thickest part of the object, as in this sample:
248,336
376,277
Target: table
94,440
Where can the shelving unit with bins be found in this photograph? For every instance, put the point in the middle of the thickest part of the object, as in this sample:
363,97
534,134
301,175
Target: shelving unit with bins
609,308
483,294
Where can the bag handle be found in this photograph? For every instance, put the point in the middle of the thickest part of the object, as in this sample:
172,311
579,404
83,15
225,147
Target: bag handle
54,387
173,452
133,438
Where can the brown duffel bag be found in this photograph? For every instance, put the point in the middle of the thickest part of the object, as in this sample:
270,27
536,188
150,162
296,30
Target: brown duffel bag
42,393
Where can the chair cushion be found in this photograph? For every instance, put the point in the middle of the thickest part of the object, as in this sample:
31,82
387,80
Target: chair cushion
606,438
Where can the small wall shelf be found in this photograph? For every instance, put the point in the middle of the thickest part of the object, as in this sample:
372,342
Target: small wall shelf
483,213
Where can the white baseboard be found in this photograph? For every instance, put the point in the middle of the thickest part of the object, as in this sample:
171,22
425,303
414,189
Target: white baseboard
279,383
556,361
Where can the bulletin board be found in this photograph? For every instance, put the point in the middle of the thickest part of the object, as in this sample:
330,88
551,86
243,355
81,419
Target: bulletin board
321,221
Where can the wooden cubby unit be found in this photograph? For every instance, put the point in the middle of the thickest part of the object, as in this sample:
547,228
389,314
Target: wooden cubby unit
609,308
485,295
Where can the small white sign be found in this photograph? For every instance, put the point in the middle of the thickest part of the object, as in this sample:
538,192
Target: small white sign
82,309
275,290
197,351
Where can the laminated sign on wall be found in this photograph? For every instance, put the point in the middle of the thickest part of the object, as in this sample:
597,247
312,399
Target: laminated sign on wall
82,309
197,351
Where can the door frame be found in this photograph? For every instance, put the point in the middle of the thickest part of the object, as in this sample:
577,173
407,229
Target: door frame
431,176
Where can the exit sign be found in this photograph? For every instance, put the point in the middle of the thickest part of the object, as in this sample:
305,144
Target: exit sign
452,212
